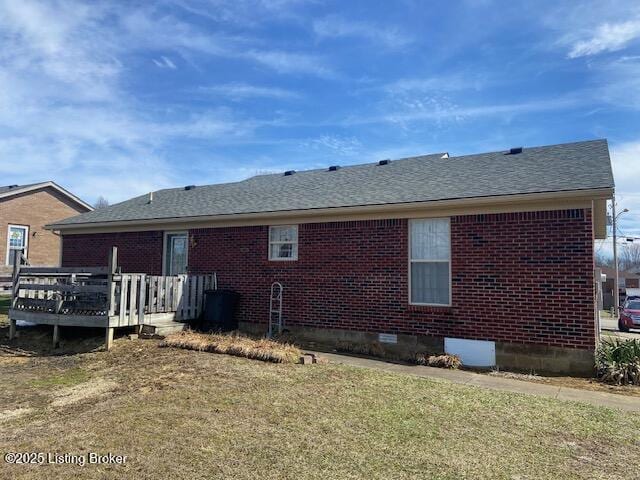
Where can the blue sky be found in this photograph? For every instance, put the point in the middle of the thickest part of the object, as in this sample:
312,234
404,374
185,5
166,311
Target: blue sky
118,99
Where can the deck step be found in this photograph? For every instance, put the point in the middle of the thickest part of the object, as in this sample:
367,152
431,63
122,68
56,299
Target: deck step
164,328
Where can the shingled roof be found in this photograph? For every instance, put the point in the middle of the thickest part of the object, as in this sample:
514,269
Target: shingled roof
16,188
11,190
554,168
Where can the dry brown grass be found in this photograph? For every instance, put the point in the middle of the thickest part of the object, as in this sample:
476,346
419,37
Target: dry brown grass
185,415
440,361
235,344
373,349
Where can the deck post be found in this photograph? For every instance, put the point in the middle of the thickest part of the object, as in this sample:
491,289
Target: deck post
56,336
141,301
15,277
12,329
108,342
111,287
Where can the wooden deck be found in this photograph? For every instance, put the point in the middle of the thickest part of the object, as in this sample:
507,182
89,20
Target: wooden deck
104,297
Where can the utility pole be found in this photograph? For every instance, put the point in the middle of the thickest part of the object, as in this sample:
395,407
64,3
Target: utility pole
616,292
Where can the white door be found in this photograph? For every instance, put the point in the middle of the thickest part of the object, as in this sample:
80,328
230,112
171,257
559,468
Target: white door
17,238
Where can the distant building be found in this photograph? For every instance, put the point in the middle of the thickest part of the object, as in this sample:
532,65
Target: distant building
24,211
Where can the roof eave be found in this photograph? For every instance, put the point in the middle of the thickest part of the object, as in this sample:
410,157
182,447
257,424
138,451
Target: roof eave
48,184
389,208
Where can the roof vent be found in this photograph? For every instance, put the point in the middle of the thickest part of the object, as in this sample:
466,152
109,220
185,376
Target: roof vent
13,186
289,173
189,187
384,162
150,200
515,150
333,168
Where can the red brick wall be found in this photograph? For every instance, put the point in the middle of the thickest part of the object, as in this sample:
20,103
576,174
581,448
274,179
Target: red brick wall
138,252
517,277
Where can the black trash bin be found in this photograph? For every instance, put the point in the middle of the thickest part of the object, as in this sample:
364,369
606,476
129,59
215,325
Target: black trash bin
219,313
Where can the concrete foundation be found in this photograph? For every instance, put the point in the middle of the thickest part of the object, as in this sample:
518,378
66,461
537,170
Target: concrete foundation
544,358
509,356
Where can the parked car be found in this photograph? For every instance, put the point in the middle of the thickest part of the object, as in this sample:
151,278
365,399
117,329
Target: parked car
630,315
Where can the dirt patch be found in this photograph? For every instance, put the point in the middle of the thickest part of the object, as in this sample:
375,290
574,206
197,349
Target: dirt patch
15,413
84,391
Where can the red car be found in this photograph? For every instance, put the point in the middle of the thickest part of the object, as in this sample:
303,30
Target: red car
630,315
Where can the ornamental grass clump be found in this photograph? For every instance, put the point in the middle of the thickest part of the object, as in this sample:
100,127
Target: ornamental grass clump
235,344
440,361
618,361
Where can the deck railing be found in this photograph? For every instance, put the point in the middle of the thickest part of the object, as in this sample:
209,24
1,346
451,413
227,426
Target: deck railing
122,299
137,298
68,291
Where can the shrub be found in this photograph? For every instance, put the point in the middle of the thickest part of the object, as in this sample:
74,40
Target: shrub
235,344
441,361
618,361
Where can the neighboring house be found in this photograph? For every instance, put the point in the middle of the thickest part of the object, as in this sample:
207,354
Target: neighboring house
24,211
625,280
489,256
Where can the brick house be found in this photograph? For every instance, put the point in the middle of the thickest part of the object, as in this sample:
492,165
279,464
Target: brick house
24,212
489,256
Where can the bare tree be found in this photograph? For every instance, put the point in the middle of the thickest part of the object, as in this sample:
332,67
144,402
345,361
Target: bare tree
603,259
630,257
101,203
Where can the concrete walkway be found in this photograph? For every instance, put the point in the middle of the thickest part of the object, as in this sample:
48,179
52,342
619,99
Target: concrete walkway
602,399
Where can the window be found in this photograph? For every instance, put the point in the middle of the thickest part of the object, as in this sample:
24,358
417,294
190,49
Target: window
175,253
283,242
17,238
430,261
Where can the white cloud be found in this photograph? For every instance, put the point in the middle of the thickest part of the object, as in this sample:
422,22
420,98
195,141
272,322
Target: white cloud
247,13
287,62
64,114
61,43
408,109
626,168
240,91
343,146
440,83
334,26
164,62
141,29
608,37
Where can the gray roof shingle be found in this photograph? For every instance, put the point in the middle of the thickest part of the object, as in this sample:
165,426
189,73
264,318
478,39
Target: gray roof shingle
555,168
17,188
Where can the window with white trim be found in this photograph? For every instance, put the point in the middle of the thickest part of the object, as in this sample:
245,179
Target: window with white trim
283,242
430,261
17,239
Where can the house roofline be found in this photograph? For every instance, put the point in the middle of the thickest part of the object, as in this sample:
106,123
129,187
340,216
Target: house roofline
501,203
51,184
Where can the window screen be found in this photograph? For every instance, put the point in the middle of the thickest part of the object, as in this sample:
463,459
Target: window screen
430,261
283,242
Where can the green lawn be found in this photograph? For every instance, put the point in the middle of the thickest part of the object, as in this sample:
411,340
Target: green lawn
5,301
183,414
